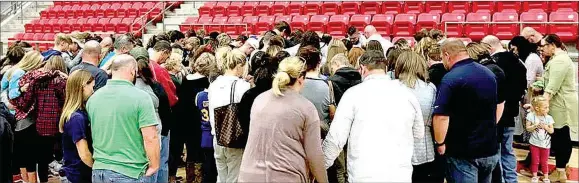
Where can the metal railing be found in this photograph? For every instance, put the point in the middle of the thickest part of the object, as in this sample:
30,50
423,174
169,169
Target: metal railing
162,14
520,24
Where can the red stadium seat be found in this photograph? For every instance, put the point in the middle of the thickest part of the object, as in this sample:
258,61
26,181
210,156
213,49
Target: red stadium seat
382,23
234,29
220,9
279,8
391,7
207,8
318,23
263,8
185,26
204,21
300,22
72,11
146,8
122,26
63,23
19,36
264,24
38,37
156,12
505,31
312,8
133,12
91,12
483,6
53,12
360,21
414,7
51,25
48,37
39,26
80,11
112,11
370,8
535,5
477,31
428,21
452,29
438,7
286,18
63,12
248,8
100,13
508,5
28,37
29,27
216,24
352,8
135,24
404,25
44,13
234,9
558,5
78,24
100,25
88,25
535,17
458,7
250,21
295,8
331,8
111,26
567,32
338,24
123,11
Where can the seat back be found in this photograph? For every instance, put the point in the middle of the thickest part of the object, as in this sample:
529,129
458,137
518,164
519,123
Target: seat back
248,9
263,8
330,8
505,31
413,7
452,29
428,21
391,7
234,9
477,31
352,8
207,8
508,5
264,24
312,8
383,23
318,23
190,20
437,7
234,29
220,9
459,7
567,32
535,17
250,21
338,25
300,22
483,6
557,5
295,8
360,21
279,8
404,25
535,5
370,8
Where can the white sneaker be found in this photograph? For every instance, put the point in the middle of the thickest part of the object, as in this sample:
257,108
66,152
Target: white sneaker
535,180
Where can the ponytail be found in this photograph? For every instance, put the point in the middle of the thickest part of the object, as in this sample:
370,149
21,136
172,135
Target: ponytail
290,69
279,83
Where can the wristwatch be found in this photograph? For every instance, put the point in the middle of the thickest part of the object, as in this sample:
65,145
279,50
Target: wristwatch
439,144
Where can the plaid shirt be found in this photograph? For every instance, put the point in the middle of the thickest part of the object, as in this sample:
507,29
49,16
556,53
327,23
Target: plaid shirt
43,101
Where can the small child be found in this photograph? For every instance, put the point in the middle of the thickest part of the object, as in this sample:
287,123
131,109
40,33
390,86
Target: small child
540,124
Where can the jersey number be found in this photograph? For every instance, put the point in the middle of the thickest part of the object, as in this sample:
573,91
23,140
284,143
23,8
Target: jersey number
204,115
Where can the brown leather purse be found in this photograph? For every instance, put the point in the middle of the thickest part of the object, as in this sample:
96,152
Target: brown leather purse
227,126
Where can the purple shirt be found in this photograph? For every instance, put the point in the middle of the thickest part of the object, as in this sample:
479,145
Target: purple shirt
202,103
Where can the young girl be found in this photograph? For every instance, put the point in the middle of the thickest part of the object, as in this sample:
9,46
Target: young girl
540,124
75,128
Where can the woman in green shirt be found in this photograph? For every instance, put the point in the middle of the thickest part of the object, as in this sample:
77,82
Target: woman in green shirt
560,89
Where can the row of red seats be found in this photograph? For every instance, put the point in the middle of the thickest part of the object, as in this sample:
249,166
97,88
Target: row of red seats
105,10
396,25
35,37
118,25
249,8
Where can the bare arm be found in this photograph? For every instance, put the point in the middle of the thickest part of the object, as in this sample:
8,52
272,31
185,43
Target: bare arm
530,127
152,148
500,109
549,128
440,125
84,152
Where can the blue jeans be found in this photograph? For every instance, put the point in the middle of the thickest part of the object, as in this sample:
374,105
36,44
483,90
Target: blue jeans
470,170
506,170
109,176
163,173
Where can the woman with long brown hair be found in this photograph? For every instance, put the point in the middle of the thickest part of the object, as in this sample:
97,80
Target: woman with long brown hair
74,126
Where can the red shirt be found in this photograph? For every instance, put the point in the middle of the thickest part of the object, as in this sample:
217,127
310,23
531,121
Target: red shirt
162,76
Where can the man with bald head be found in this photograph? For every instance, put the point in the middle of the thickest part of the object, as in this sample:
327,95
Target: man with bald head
123,44
465,116
124,128
532,35
372,34
90,59
516,85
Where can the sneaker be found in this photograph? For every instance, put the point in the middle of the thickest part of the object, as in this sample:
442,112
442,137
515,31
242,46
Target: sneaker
546,181
535,180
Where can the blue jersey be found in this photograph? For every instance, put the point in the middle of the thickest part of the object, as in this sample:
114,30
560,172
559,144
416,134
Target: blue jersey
202,103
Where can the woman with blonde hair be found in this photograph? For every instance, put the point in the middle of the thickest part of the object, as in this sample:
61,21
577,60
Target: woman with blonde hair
38,111
74,126
220,54
31,61
279,117
224,94
411,71
176,69
273,50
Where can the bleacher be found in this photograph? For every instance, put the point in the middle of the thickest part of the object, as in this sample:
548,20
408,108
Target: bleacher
468,20
97,17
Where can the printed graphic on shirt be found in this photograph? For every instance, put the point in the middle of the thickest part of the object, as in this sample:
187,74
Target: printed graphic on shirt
540,137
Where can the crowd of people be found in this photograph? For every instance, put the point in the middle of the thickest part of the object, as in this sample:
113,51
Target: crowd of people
285,106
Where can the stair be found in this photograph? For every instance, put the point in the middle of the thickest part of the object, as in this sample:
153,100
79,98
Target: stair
15,24
172,19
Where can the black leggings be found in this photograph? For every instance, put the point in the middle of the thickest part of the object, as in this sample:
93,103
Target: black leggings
209,167
180,136
561,144
31,149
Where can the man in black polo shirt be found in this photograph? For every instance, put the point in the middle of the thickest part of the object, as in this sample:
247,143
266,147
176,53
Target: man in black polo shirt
465,116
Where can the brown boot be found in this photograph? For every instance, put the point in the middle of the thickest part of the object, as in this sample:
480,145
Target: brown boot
558,176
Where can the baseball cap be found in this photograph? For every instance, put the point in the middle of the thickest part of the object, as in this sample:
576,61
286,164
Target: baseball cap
139,52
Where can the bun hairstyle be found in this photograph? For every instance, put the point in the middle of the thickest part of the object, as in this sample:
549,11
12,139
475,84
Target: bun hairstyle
290,69
205,64
233,59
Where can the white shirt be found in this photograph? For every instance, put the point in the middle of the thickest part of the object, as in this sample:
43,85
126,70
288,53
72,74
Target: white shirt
220,92
534,67
384,42
379,119
540,137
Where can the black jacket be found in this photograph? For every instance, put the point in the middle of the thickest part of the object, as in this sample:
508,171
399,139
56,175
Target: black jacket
499,76
7,120
244,106
343,79
515,83
436,72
